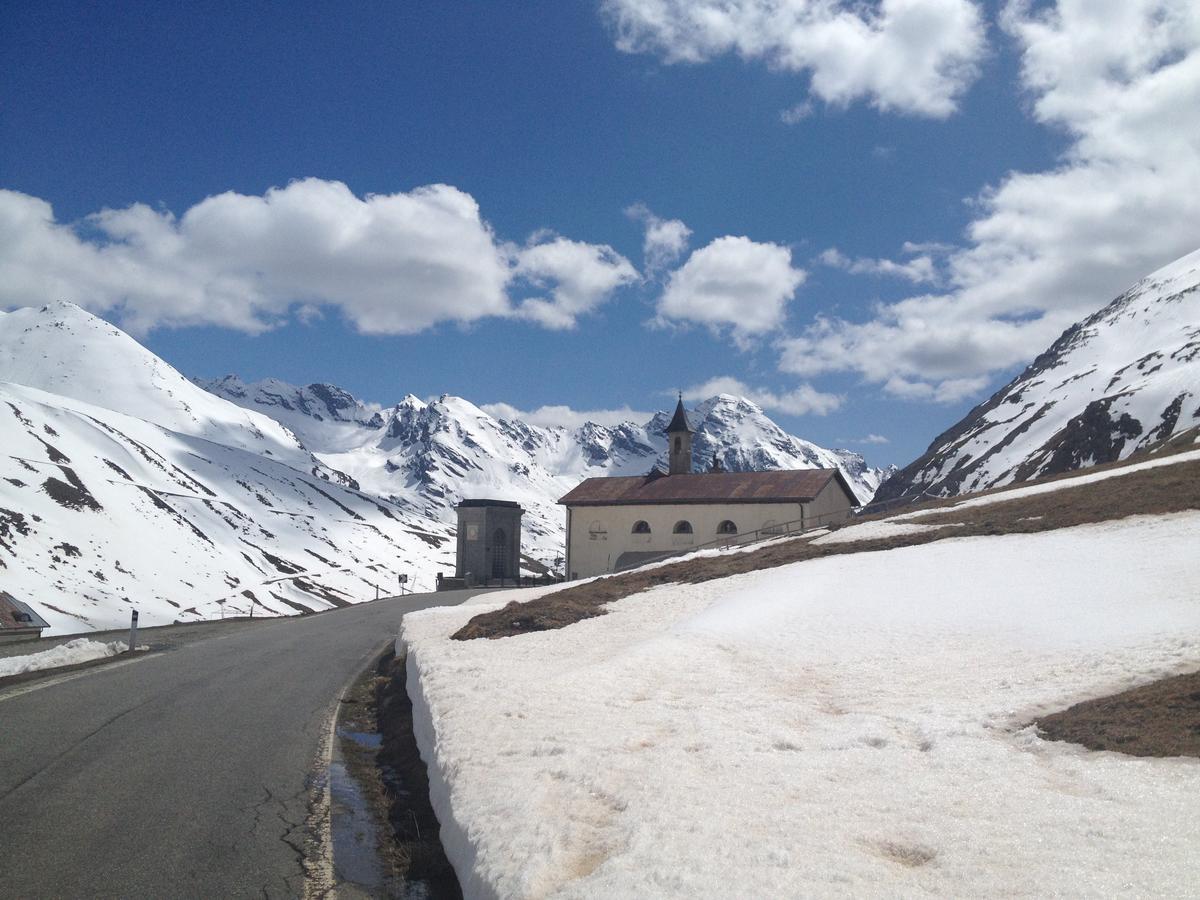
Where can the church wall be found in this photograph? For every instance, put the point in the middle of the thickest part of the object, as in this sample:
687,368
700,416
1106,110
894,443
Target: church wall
600,534
831,506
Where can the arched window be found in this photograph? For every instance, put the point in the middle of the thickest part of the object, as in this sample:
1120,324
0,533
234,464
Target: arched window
683,526
678,444
641,527
727,527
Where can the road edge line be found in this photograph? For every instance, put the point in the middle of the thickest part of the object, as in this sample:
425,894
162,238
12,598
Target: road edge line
21,690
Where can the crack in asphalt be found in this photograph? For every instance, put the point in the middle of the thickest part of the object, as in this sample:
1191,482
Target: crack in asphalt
91,734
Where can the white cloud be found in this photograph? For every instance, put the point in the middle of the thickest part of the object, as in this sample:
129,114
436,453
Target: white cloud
565,416
666,239
913,56
872,439
732,282
918,270
1048,248
802,401
390,263
582,276
794,115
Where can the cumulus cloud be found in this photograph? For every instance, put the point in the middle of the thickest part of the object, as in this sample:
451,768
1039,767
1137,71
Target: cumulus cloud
801,401
912,56
580,277
733,283
666,239
565,416
871,439
918,270
1048,248
390,263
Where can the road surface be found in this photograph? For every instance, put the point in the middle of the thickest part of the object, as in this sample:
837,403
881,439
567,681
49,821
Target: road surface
182,774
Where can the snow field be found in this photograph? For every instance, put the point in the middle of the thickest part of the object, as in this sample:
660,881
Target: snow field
843,726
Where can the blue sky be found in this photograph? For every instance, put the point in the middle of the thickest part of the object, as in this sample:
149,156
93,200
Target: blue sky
907,181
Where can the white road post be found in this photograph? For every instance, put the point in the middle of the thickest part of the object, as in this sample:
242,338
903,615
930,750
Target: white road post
133,631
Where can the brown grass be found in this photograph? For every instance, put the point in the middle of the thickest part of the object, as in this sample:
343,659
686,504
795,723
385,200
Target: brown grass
1167,489
1158,719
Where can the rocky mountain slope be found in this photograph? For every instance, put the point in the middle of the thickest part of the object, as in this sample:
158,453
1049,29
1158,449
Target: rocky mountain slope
428,456
1123,379
204,510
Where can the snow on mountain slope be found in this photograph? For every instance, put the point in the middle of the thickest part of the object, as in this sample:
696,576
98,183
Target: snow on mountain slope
428,456
1124,379
101,513
65,350
325,418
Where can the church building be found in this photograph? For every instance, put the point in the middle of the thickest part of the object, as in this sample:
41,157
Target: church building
618,523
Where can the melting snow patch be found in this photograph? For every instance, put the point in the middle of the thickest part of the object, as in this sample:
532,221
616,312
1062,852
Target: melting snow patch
870,531
77,651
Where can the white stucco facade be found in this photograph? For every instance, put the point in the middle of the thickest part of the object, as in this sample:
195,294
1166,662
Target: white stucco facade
598,535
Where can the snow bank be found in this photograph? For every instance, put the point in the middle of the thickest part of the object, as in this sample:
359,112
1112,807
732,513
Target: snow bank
842,726
77,651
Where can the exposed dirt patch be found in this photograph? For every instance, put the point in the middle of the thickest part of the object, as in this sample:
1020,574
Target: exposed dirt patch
72,493
389,769
1158,719
1168,489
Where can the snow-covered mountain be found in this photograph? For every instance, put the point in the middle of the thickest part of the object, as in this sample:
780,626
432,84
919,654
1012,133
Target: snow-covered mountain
428,456
156,495
123,484
1121,380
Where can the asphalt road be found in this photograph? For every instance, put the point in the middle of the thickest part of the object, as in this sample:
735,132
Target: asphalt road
183,774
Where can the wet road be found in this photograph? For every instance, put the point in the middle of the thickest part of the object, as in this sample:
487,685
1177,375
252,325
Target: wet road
183,774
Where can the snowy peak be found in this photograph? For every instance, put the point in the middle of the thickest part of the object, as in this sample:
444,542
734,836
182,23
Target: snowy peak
65,350
324,417
1124,379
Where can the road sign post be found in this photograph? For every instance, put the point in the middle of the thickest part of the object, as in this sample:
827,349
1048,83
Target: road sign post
133,631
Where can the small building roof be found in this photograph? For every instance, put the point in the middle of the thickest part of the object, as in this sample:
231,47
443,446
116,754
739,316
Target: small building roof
791,486
679,422
13,615
508,503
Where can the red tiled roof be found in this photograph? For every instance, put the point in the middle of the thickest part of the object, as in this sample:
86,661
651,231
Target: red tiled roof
793,486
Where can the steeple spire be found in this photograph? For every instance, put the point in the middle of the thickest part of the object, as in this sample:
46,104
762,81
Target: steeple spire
679,422
679,441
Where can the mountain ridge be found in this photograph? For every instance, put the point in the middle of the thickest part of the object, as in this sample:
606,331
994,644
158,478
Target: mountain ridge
1121,380
426,456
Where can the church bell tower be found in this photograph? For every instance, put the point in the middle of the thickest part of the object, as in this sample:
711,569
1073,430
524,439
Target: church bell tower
679,442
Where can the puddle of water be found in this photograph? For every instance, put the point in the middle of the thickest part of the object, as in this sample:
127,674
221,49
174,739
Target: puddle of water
366,739
356,863
357,867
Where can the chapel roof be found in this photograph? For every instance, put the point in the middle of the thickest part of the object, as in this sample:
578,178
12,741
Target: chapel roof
791,486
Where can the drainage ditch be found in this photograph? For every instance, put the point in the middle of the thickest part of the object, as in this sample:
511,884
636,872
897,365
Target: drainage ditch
385,833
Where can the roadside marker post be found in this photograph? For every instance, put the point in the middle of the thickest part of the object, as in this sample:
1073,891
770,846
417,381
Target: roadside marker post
133,631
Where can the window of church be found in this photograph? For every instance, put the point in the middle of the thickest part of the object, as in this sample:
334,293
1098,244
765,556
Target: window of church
683,527
727,527
641,527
